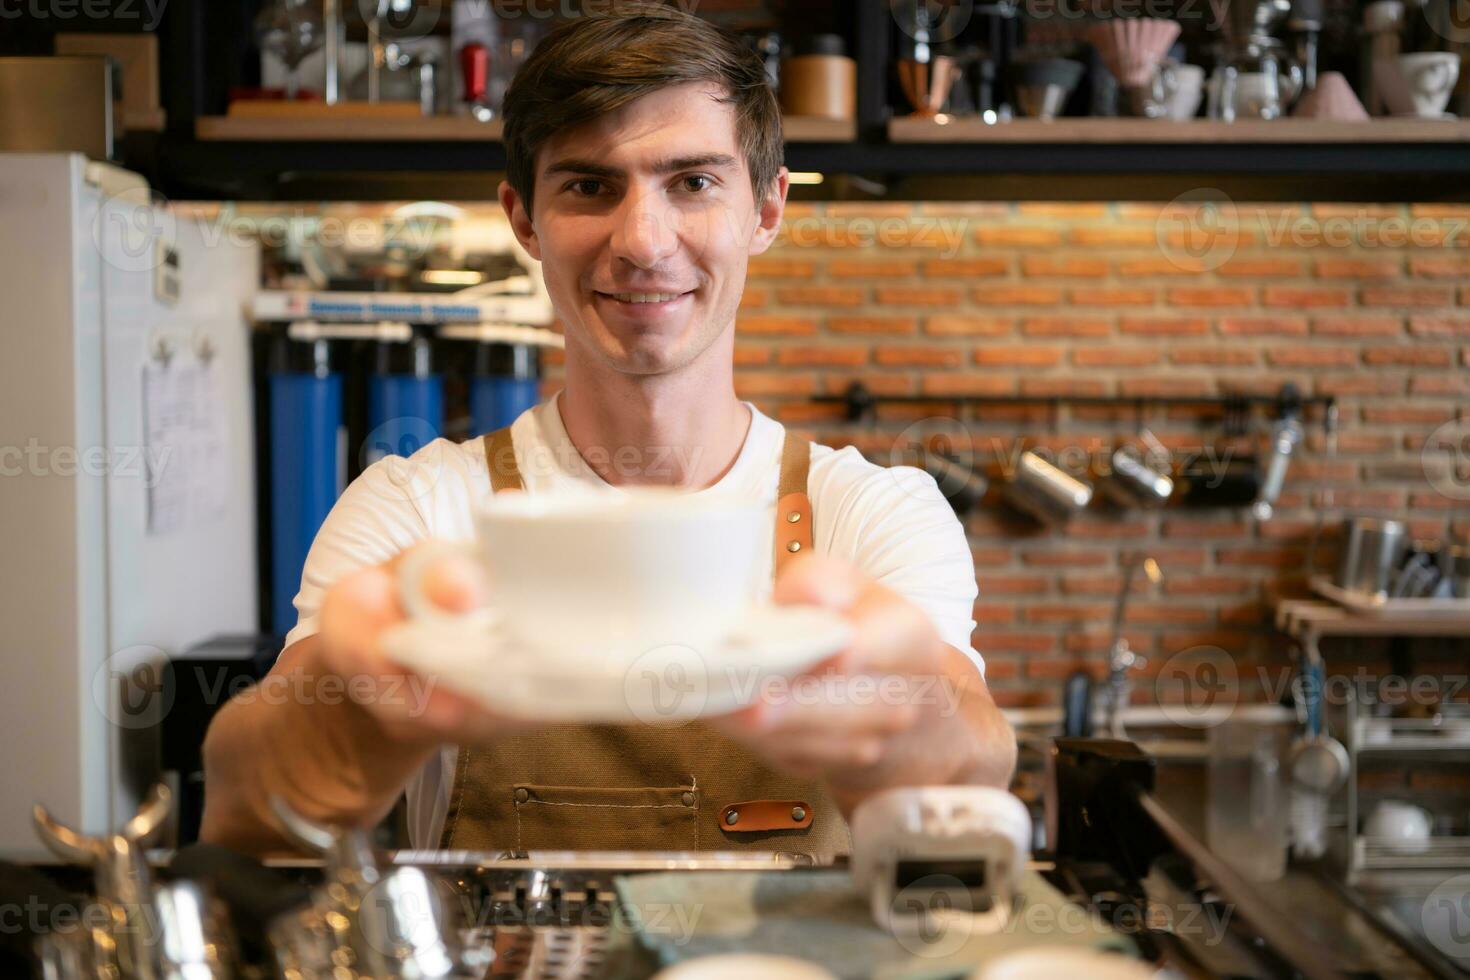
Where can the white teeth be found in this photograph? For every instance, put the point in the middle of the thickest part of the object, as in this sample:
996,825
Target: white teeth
645,297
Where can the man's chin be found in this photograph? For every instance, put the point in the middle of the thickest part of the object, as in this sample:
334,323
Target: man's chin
647,351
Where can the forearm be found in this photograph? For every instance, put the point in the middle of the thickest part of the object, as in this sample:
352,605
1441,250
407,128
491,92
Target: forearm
961,739
301,736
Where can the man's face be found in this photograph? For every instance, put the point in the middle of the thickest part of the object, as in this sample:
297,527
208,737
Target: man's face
644,220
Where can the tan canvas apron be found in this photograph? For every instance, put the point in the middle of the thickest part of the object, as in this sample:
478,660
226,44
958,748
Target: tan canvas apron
603,787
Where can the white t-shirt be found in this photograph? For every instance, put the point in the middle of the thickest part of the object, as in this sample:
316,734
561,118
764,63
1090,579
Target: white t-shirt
892,523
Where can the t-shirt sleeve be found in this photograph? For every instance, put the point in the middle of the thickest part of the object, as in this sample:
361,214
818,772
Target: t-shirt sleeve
375,518
904,534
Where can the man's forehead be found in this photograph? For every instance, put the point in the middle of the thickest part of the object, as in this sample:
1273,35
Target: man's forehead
688,121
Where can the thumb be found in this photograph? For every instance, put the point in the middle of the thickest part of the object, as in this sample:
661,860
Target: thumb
450,577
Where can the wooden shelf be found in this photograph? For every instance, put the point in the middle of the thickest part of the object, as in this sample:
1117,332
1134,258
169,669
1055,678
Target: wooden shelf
1310,618
970,129
353,128
345,129
813,129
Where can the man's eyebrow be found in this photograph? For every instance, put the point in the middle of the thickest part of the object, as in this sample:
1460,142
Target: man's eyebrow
676,164
584,167
670,165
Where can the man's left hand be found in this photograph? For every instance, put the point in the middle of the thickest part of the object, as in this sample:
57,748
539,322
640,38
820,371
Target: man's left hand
897,707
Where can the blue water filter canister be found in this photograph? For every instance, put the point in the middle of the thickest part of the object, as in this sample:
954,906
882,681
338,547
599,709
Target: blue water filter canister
405,400
506,382
307,464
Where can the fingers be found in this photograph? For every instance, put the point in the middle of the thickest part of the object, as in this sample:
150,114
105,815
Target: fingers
355,611
455,583
890,633
451,578
817,580
815,757
360,606
832,712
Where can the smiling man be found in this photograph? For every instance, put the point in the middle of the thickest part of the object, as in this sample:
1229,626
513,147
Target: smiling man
644,152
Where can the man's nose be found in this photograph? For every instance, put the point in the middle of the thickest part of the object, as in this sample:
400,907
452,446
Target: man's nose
647,230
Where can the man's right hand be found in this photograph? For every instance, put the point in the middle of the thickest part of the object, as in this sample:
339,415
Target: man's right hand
355,613
337,729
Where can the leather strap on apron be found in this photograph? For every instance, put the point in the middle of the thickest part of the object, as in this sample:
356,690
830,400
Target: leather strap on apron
606,787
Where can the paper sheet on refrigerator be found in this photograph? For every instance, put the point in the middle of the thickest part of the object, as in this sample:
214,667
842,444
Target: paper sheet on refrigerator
187,477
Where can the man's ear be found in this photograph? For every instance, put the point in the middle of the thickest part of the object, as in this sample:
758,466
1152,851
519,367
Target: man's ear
520,220
770,212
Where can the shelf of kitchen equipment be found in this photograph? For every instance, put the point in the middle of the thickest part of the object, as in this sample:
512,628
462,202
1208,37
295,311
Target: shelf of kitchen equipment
859,401
1390,736
1438,854
353,128
1304,618
1382,607
1096,130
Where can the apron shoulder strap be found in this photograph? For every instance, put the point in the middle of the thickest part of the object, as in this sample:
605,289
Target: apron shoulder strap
793,506
500,459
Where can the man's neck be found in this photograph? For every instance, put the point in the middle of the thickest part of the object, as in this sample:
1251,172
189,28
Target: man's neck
683,429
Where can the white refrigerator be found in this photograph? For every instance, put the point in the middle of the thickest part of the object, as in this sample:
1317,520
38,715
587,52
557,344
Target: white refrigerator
127,483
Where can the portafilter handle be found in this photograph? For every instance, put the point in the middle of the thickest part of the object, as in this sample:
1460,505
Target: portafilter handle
116,859
390,921
176,930
346,851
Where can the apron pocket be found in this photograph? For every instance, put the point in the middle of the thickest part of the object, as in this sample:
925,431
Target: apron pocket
605,818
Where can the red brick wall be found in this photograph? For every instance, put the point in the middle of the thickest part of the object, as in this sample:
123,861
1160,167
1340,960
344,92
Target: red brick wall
1359,301
1368,303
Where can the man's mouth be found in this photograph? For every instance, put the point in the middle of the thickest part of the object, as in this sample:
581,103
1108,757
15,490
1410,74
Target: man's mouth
644,297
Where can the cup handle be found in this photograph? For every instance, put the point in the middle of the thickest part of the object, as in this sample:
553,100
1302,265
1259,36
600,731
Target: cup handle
410,575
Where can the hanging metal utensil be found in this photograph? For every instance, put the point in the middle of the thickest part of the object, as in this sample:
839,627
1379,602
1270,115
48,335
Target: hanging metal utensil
1139,477
1318,765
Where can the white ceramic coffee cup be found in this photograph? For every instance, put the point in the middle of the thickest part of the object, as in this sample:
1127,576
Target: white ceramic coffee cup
1399,826
595,580
1418,84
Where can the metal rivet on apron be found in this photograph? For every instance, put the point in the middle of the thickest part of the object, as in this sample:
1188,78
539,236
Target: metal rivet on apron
794,517
798,814
794,547
522,795
687,799
732,817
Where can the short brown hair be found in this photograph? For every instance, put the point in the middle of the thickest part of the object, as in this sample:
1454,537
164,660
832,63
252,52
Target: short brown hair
596,64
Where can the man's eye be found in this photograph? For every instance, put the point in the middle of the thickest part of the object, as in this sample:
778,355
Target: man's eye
587,188
697,182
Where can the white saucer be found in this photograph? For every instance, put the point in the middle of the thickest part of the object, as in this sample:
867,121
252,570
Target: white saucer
665,685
